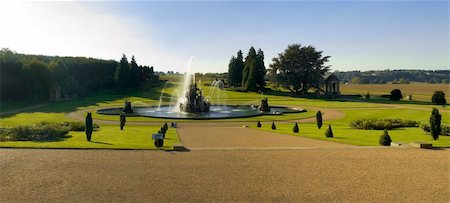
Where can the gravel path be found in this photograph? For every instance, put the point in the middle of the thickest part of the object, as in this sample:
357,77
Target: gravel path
309,175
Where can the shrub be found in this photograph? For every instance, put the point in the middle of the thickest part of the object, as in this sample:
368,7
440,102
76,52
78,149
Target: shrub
295,129
258,124
367,96
445,129
396,95
89,126
329,132
438,98
382,124
435,124
273,126
38,132
385,139
319,119
72,125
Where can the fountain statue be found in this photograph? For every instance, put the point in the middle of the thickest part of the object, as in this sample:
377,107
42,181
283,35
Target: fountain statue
127,108
264,105
194,100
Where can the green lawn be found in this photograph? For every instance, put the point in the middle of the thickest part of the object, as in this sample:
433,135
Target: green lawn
108,137
344,134
359,108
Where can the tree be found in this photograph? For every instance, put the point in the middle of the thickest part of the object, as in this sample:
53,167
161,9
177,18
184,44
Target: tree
438,98
435,123
396,95
385,139
89,126
319,119
274,127
249,76
134,73
329,132
122,76
123,120
258,124
299,68
260,70
295,128
235,68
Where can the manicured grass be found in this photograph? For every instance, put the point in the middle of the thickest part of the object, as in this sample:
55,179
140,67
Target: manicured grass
344,134
108,137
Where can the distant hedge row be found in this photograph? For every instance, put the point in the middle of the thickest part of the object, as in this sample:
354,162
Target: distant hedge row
382,124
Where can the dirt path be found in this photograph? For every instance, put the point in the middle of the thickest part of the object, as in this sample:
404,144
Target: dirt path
308,175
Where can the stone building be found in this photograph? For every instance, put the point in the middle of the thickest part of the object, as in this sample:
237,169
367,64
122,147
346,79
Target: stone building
332,86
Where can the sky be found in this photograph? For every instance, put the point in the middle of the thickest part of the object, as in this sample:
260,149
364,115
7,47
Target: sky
358,35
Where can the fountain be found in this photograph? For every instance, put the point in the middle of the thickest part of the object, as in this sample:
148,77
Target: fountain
191,103
194,101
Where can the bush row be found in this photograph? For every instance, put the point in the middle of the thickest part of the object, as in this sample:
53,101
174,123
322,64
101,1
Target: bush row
72,125
47,131
445,129
382,124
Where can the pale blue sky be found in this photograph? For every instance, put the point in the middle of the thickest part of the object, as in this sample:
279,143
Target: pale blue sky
357,35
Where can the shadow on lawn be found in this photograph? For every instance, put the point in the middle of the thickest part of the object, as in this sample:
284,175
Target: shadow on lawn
107,96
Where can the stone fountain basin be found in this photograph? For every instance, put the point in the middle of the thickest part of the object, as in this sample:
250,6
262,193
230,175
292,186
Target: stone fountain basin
215,112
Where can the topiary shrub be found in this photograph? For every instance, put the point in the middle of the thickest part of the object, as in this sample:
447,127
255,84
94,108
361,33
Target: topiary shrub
435,124
438,98
159,143
382,124
396,95
385,139
75,125
273,126
329,132
319,119
295,128
89,126
367,96
123,120
258,124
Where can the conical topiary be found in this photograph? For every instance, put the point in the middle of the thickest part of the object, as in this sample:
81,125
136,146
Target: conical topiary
258,124
329,132
295,129
273,126
319,119
385,139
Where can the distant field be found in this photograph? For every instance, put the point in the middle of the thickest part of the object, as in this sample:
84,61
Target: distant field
419,91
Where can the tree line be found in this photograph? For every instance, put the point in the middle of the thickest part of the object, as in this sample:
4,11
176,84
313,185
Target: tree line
247,74
25,77
299,69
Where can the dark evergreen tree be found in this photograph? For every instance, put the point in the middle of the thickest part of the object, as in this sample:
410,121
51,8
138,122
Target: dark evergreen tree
367,96
122,76
438,98
396,95
435,123
385,139
319,119
134,73
258,124
232,73
329,132
249,73
299,68
274,127
260,70
123,120
89,126
295,129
